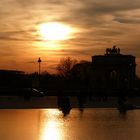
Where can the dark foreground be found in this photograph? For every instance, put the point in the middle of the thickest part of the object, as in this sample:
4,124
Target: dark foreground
52,102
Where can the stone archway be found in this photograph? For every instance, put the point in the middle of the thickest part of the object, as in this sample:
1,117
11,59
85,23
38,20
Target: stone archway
113,68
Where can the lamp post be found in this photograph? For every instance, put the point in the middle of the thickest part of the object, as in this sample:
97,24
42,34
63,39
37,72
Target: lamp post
39,62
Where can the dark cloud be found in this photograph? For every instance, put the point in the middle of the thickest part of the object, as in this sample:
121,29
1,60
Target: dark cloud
127,20
27,3
92,12
19,35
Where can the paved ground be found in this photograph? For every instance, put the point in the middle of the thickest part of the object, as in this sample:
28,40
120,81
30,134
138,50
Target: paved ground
9,102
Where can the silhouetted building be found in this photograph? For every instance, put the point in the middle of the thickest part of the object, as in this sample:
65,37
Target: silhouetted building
113,70
11,78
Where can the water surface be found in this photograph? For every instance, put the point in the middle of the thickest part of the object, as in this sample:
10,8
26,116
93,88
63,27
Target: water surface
49,124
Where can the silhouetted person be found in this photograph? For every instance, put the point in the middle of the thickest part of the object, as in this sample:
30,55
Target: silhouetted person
80,101
107,50
64,104
118,50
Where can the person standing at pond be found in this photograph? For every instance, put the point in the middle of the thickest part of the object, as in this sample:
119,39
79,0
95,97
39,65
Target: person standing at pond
64,104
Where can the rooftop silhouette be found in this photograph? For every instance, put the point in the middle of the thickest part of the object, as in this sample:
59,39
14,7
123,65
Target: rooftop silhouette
113,69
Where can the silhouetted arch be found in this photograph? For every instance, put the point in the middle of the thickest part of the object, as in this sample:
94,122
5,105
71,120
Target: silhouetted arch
112,68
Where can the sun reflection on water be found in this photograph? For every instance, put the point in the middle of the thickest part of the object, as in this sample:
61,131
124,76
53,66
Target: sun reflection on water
50,126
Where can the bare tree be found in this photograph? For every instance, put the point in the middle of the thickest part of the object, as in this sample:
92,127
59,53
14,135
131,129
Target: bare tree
65,66
82,69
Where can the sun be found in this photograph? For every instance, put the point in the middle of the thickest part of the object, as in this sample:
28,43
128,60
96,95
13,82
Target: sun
54,31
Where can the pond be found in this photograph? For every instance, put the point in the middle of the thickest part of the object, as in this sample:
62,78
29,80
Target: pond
87,124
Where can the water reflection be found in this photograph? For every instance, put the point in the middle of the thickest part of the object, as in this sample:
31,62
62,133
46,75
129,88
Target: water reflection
19,124
50,125
51,132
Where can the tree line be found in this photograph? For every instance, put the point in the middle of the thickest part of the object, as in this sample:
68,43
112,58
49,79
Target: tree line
71,76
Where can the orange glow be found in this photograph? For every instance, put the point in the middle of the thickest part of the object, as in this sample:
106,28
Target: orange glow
50,129
54,31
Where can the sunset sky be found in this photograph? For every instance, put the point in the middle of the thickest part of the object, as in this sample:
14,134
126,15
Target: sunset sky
88,27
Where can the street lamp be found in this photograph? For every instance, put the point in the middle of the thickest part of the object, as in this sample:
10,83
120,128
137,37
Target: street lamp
39,62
